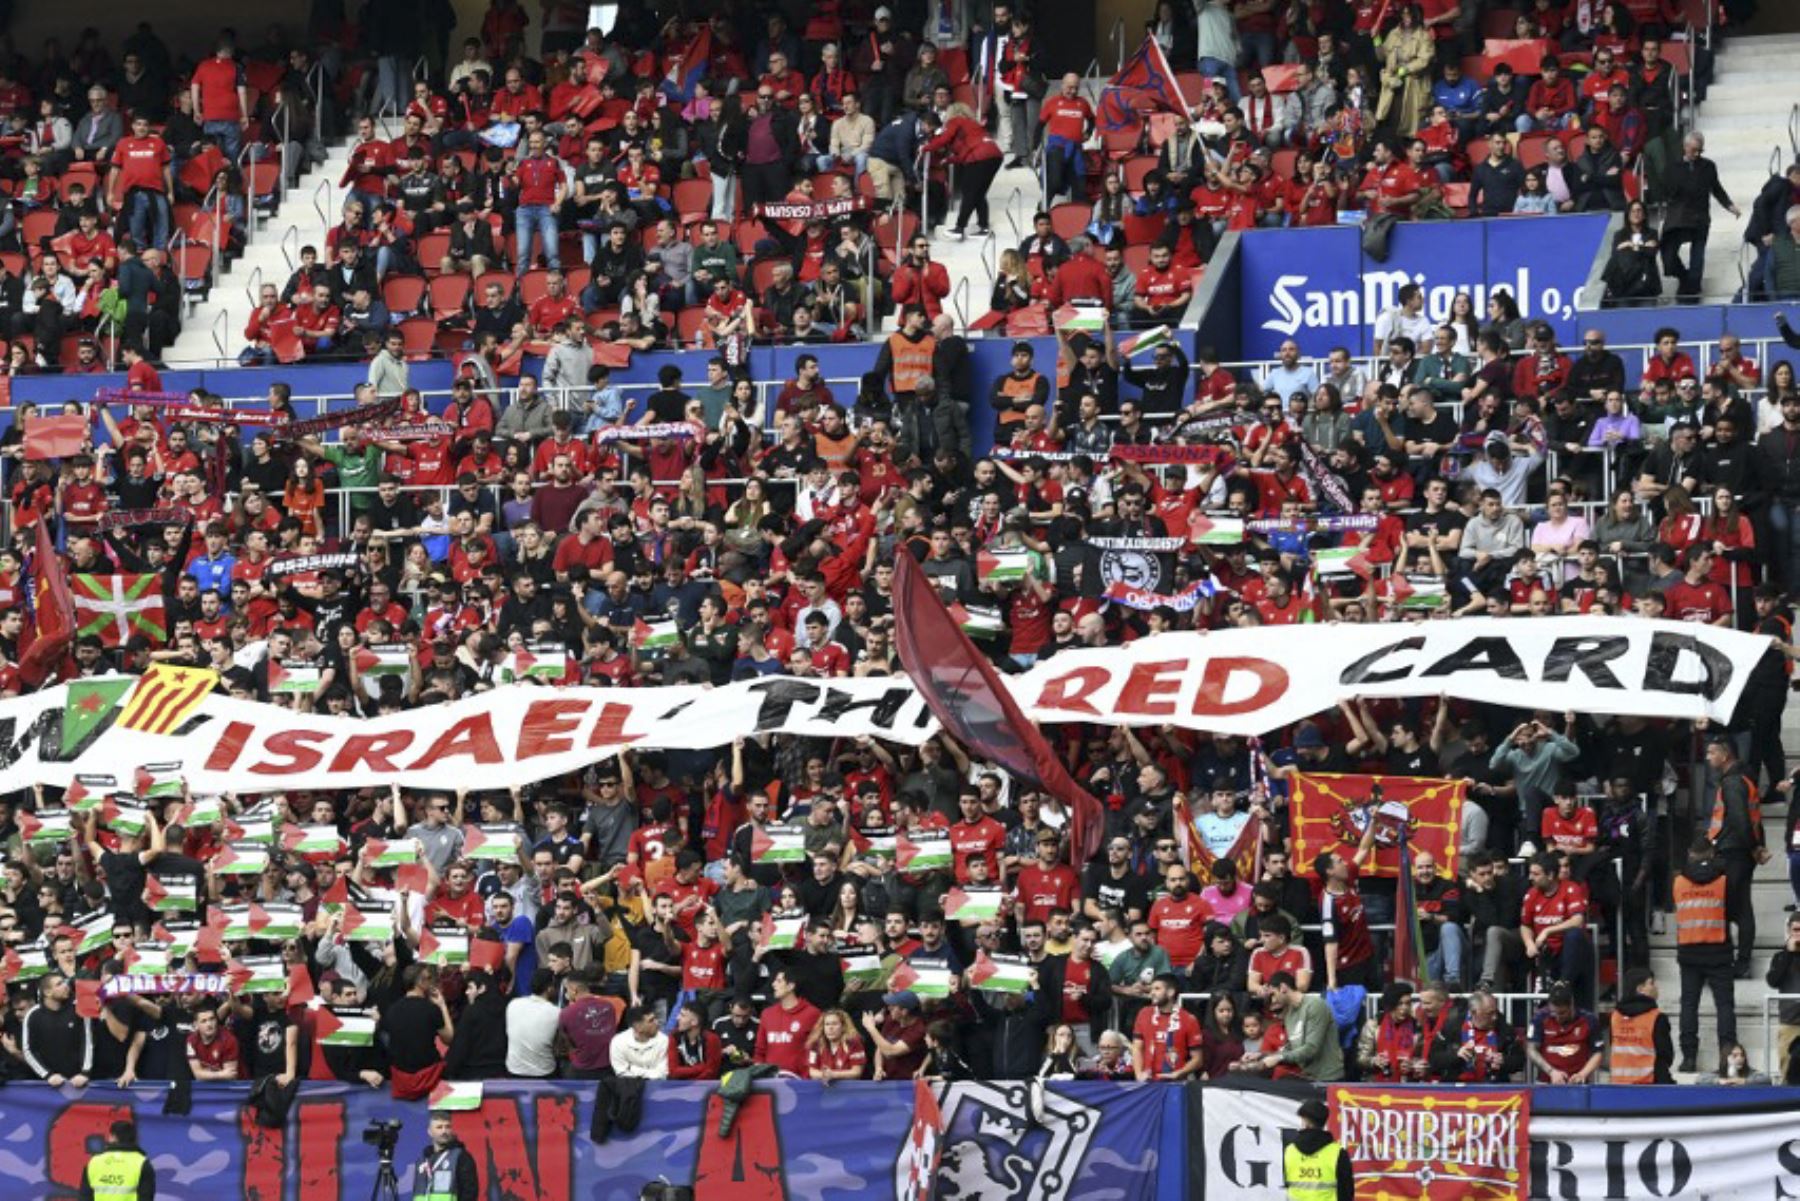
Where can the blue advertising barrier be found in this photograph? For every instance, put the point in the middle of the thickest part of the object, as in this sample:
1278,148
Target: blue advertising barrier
792,1141
1319,288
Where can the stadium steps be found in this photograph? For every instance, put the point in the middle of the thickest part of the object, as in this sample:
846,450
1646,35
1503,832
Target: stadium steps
1745,120
265,260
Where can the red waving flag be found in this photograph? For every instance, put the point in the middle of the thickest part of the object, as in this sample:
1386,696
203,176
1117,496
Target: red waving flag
966,695
53,611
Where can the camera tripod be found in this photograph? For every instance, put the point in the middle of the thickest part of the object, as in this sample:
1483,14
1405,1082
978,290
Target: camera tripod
387,1184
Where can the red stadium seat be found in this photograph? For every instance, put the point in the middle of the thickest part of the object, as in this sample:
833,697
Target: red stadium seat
747,234
1120,144
403,294
689,323
503,278
36,227
431,249
693,200
1281,162
762,274
420,334
1137,257
533,285
1477,150
1141,231
193,267
1136,169
578,278
449,294
1531,150
1070,218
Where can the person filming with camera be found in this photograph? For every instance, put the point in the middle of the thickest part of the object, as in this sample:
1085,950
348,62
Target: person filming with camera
445,1171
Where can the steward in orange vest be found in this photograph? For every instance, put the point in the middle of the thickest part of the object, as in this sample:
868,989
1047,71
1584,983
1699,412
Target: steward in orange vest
1641,1048
1703,949
907,354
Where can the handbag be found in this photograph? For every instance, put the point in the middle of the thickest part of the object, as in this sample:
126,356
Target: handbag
1376,231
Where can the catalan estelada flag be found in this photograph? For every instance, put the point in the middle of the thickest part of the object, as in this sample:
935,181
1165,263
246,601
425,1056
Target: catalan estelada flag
166,697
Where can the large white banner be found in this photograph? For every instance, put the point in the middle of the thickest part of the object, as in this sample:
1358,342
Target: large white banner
1249,681
512,735
1713,1154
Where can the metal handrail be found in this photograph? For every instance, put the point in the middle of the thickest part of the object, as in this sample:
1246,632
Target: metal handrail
959,299
322,204
1011,204
292,256
990,254
218,327
1794,130
253,287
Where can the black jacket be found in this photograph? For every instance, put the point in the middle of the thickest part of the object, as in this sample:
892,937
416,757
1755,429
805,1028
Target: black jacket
1665,1043
1690,186
1768,215
478,1050
465,1181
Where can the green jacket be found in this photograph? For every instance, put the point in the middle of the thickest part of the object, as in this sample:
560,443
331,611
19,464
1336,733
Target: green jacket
356,469
1439,373
1784,267
1312,1040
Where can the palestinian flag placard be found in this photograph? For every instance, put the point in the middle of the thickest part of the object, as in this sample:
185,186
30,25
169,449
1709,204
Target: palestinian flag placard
149,959
368,923
241,859
654,637
231,921
384,659
1335,561
923,851
87,794
456,1095
157,781
92,932
496,841
276,921
335,1027
931,982
979,621
294,678
1419,590
312,842
1009,565
46,825
88,706
778,844
1215,531
1089,318
177,937
122,815
171,894
396,852
260,974
782,931
27,961
446,946
973,904
200,812
548,661
874,844
1150,339
259,831
1001,973
862,967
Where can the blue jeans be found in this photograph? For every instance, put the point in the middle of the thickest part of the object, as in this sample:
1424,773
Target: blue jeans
1446,963
1794,874
1258,50
228,134
541,219
1784,523
1218,68
148,214
256,356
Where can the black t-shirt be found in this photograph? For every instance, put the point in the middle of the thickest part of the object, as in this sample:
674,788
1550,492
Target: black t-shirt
667,404
1124,894
1416,762
1443,522
124,879
1440,429
263,1039
411,1025
109,1052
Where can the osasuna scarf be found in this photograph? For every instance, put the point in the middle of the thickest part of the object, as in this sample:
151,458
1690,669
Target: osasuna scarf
120,519
176,407
1185,601
1172,452
798,210
1020,453
1324,524
645,433
381,410
424,431
1326,482
332,561
135,985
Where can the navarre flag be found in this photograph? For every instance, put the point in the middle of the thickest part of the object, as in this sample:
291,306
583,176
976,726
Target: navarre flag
1144,84
972,904
115,607
923,1146
962,690
777,844
1001,973
496,841
1150,339
1245,853
171,894
52,625
312,842
46,825
1330,812
923,851
88,706
336,1027
166,697
928,981
1438,1143
444,946
456,1095
781,932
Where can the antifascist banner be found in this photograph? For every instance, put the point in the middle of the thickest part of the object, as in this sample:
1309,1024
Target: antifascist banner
1145,564
1253,680
1437,1143
792,1140
1330,812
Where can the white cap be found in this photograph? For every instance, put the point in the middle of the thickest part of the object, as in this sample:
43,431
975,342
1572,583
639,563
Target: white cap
884,13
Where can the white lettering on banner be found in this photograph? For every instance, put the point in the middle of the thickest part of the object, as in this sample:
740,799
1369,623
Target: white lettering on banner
1248,681
1724,1155
1297,307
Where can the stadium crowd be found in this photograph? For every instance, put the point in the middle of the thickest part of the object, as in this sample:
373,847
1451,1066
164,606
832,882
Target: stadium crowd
641,931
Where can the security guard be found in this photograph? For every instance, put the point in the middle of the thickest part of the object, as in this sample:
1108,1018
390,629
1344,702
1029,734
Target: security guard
1313,1166
121,1172
445,1171
1703,949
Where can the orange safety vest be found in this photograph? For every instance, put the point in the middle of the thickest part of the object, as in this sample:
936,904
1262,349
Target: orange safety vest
1752,801
1012,387
1699,911
1634,1048
912,360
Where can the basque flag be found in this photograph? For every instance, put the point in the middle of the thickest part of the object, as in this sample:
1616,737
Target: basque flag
1146,83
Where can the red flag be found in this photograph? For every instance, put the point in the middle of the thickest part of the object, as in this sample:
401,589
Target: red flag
920,1156
209,944
337,894
1330,811
1409,939
1145,83
412,877
55,437
284,339
964,693
612,355
53,611
87,998
10,966
486,954
300,985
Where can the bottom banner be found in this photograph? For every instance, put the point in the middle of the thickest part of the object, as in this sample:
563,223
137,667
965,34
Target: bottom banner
1446,1144
789,1141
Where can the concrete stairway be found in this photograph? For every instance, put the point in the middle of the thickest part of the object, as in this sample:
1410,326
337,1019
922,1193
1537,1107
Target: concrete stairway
1745,120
